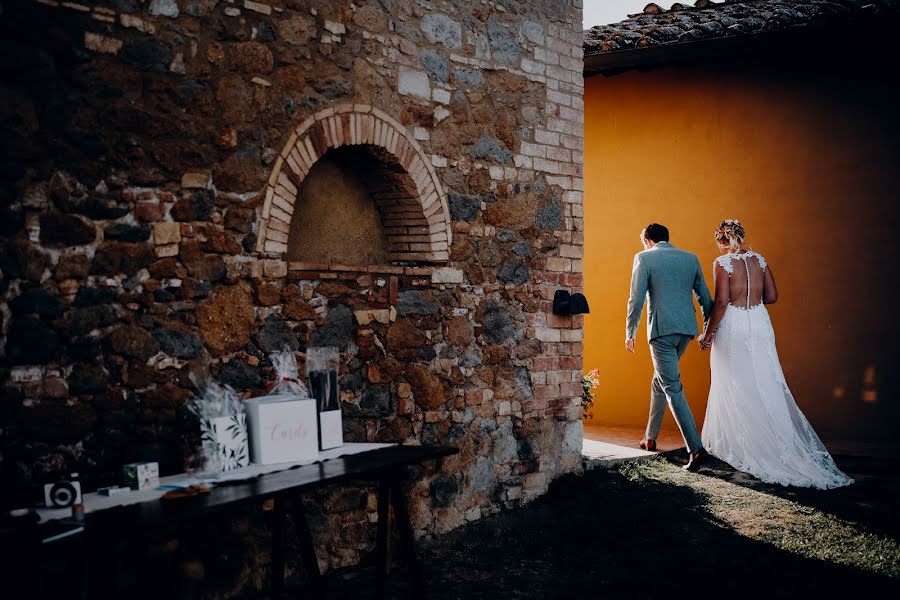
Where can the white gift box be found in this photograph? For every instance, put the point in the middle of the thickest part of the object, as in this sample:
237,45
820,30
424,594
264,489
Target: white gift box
141,476
282,429
331,429
230,437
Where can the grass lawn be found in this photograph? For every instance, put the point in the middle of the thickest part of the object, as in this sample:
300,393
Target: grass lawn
655,531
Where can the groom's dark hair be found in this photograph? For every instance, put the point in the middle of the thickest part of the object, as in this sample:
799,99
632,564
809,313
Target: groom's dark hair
656,233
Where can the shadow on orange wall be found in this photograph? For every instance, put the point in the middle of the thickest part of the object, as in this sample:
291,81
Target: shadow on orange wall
806,157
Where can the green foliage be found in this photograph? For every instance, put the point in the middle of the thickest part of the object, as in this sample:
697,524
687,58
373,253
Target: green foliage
590,381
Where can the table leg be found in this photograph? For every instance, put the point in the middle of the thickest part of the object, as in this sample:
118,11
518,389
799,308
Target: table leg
277,575
407,538
307,548
383,538
85,573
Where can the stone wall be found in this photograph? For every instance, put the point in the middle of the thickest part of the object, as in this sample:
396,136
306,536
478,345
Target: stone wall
152,155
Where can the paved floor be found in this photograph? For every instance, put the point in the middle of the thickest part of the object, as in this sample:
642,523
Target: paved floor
598,440
604,454
606,446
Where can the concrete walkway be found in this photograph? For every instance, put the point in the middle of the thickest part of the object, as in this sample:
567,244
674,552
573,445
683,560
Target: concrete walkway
607,447
604,455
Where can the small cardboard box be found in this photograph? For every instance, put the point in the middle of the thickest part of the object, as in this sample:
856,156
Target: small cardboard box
282,429
141,476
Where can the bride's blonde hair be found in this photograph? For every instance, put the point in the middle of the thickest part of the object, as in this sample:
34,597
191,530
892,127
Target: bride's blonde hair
731,233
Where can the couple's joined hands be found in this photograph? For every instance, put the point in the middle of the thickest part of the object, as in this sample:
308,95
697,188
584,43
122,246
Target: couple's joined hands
705,341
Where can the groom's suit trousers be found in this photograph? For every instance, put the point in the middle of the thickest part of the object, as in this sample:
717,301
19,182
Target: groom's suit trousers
666,387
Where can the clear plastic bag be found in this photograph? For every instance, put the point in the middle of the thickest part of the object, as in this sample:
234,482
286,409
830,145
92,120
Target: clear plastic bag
322,367
223,427
215,399
322,370
287,377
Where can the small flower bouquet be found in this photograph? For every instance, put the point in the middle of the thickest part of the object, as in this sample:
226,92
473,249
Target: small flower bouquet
590,381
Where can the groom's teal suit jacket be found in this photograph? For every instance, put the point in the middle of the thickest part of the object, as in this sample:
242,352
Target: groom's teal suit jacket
668,276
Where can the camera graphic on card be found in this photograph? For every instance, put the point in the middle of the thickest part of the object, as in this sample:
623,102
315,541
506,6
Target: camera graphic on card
62,494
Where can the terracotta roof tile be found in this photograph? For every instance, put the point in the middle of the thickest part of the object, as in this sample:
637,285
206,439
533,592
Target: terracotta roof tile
710,20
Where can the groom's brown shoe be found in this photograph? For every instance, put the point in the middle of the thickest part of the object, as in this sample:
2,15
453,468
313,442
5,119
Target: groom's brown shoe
648,444
696,461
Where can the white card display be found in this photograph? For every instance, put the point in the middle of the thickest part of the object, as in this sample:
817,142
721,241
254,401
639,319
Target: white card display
282,429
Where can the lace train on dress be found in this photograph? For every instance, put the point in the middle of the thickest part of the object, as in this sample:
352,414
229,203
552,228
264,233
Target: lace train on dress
752,421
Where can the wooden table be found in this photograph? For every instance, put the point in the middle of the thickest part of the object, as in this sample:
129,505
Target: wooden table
384,466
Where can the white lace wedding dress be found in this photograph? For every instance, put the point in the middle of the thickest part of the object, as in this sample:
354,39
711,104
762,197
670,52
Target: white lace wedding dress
752,421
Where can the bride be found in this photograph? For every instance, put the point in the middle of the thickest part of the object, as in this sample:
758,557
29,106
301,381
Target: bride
752,421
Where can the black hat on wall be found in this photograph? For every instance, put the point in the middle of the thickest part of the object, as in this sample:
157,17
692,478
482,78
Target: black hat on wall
565,303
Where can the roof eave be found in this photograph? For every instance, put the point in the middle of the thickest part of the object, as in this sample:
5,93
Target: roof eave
809,38
651,56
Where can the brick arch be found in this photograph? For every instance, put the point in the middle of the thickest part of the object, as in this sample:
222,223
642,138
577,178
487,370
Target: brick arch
411,201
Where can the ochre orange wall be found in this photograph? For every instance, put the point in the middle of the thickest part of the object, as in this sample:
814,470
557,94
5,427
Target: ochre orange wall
807,158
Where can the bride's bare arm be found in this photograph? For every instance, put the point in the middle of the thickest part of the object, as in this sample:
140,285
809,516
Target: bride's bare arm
723,296
770,290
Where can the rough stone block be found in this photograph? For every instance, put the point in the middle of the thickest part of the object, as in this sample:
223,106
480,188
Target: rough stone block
263,9
441,29
447,275
61,230
335,27
435,65
364,317
412,82
502,38
102,43
491,149
275,269
135,22
441,96
163,8
530,66
166,233
196,179
166,250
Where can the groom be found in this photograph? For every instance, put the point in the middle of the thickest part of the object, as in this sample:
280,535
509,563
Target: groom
667,275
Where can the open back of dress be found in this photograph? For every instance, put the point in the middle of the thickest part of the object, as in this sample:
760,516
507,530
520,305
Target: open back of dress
752,421
747,279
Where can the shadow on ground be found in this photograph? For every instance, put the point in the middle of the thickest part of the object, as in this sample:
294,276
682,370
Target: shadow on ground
653,531
873,501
